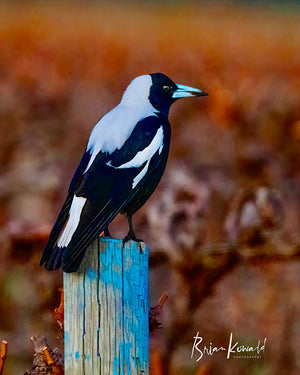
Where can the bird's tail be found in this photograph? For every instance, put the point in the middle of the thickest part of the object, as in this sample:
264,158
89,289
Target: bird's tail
53,262
52,255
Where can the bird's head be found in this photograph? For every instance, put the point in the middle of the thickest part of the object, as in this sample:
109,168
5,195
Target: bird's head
158,90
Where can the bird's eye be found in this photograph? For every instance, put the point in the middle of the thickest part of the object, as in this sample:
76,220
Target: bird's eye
167,88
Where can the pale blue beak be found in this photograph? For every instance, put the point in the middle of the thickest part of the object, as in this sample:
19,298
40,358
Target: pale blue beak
187,92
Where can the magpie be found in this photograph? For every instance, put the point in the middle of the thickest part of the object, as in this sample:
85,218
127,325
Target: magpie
123,163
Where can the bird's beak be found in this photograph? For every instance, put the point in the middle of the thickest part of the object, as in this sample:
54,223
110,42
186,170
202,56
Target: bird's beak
187,92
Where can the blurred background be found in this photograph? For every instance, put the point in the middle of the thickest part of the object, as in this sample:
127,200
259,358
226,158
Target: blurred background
223,226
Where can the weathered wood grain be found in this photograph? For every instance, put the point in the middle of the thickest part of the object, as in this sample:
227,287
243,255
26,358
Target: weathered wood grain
106,311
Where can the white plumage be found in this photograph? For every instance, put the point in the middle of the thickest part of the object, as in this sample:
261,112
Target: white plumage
144,156
73,221
112,131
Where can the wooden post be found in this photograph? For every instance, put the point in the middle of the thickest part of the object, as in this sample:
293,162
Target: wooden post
106,311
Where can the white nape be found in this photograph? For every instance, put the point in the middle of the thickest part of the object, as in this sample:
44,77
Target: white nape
144,156
73,221
112,131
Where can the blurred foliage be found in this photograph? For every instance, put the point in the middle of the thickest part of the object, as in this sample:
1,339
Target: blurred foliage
233,174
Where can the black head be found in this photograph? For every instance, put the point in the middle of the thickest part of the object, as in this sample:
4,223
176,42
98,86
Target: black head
164,92
161,92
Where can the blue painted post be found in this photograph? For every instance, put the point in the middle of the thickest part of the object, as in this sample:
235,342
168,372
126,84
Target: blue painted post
106,311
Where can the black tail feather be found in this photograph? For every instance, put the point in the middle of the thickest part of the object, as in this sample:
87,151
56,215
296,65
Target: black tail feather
74,254
92,223
55,259
75,251
51,250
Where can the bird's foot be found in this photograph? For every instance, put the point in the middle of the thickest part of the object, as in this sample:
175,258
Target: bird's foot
131,236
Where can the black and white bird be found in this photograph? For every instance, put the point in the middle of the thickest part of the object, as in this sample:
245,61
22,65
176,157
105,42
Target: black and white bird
123,163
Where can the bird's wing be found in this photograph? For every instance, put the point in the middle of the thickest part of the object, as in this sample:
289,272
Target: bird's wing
105,187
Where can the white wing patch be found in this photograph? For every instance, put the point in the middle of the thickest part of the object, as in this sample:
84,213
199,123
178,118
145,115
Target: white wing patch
144,156
73,221
112,131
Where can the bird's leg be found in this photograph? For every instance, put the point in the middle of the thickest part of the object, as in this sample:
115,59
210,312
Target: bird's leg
130,235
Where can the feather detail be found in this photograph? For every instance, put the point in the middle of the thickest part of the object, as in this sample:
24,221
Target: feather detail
73,221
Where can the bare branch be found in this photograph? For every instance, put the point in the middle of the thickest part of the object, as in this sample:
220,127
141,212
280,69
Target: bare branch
155,311
3,353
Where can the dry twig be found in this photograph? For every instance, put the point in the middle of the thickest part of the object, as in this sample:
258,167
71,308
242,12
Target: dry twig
155,311
45,361
3,353
56,369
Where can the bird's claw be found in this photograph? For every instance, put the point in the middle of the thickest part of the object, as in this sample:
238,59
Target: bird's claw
131,236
